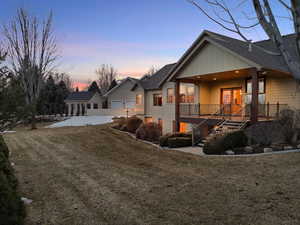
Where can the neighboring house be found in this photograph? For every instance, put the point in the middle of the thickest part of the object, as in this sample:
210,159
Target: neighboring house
126,97
83,103
236,82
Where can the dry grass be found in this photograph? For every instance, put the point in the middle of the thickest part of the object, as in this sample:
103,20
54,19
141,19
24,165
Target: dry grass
95,175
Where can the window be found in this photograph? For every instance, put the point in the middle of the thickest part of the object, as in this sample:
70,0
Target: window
138,99
187,93
95,106
157,100
160,123
261,91
183,127
148,120
88,106
170,95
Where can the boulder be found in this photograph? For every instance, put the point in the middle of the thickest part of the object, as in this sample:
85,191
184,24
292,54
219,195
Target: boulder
248,149
229,152
266,150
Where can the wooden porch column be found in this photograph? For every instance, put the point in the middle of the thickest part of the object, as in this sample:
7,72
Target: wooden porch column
254,102
177,105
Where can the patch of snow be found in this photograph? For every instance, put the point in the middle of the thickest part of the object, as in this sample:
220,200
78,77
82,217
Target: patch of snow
83,121
7,132
26,201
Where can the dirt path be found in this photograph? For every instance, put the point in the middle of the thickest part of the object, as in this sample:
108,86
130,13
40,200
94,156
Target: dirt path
93,175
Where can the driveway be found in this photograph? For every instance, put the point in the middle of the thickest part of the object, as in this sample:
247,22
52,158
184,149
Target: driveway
96,176
82,121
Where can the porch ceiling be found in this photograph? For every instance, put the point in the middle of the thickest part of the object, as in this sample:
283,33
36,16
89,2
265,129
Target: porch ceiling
229,75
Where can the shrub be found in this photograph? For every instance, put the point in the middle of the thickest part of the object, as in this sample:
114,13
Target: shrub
178,142
163,141
133,123
290,121
220,143
12,210
214,146
149,132
235,140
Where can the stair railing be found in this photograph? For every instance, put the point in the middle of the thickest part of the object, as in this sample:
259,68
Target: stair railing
196,140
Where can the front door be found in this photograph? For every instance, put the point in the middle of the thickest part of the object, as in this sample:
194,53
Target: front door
231,100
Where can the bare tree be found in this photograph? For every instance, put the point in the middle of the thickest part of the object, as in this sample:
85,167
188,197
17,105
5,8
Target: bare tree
152,70
65,78
32,50
106,75
227,18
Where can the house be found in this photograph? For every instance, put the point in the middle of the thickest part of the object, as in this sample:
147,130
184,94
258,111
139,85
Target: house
219,79
83,103
236,82
126,98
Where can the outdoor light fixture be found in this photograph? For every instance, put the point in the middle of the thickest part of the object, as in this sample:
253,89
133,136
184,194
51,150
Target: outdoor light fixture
237,71
215,78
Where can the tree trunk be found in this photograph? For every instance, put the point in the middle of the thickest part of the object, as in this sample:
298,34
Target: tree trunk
33,121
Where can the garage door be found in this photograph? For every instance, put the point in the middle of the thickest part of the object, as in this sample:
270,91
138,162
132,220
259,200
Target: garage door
130,104
116,104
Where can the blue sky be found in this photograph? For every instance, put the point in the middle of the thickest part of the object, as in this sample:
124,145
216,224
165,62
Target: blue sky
132,35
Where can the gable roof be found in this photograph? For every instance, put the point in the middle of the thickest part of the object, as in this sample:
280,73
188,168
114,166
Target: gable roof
156,80
258,57
80,96
133,80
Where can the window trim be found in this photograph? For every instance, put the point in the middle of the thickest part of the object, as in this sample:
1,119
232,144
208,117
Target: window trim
154,101
172,97
136,99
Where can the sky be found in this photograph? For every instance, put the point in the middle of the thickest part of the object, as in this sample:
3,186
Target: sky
131,35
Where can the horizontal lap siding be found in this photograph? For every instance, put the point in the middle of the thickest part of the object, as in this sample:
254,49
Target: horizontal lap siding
282,90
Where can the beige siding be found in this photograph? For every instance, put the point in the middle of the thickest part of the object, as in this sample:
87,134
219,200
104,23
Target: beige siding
124,94
212,59
210,92
282,90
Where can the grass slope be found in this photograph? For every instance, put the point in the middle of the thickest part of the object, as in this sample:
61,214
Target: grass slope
95,175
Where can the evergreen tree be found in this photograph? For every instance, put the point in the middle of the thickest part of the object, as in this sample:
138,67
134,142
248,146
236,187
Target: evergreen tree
94,87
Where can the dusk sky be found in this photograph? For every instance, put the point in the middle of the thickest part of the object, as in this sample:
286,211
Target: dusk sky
131,35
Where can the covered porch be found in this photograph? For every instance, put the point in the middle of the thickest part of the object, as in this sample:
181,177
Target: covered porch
238,95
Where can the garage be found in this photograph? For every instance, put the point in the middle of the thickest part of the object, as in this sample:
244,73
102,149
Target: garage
116,104
130,104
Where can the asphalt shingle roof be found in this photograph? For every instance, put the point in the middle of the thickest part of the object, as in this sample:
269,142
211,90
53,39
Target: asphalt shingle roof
154,81
80,96
258,55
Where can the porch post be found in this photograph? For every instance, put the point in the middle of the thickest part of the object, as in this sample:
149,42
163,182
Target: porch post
254,102
177,105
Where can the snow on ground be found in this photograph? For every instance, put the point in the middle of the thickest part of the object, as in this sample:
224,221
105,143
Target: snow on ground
82,121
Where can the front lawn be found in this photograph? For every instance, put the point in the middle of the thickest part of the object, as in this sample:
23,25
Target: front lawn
96,175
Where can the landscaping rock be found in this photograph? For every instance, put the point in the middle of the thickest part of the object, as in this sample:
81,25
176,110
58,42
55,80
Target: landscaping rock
288,147
248,149
229,152
266,150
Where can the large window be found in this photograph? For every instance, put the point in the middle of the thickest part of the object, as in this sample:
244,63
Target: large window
261,91
138,99
157,100
95,106
187,93
170,95
88,106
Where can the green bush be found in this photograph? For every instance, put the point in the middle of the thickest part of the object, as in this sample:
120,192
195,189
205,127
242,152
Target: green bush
133,123
178,142
12,210
163,140
149,132
220,143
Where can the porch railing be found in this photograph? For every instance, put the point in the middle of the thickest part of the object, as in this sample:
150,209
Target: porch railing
267,111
